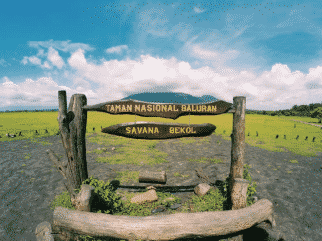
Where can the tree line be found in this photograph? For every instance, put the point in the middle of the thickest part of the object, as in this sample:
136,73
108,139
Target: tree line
311,110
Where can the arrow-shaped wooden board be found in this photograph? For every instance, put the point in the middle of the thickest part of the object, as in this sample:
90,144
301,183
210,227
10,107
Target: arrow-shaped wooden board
171,111
157,130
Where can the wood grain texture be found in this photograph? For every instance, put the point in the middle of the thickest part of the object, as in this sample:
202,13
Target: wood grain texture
164,110
237,141
159,130
72,125
153,177
237,197
167,227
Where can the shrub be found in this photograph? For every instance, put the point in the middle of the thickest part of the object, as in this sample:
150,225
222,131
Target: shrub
105,199
251,189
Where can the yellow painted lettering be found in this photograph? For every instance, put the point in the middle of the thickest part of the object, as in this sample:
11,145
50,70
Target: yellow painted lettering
183,108
133,130
214,108
118,107
143,109
156,130
129,108
188,108
140,129
169,107
137,108
164,108
177,130
128,130
123,108
145,130
112,108
149,108
150,130
204,108
158,107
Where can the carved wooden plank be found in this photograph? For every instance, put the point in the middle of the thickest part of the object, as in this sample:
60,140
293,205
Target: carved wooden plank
166,227
157,130
164,110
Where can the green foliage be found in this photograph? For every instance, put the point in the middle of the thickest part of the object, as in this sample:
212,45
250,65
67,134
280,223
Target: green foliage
62,200
106,200
109,202
144,209
251,189
317,113
212,201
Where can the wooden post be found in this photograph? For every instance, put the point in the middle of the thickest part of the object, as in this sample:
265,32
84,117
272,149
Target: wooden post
237,155
72,127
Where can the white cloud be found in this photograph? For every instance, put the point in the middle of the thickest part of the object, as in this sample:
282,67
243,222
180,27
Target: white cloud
117,49
64,46
277,88
4,63
34,60
54,58
198,10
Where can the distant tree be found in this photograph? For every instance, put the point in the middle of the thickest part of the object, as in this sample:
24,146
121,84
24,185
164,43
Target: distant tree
317,114
264,112
294,107
304,108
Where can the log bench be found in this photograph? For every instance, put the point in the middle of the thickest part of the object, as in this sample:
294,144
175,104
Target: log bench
69,224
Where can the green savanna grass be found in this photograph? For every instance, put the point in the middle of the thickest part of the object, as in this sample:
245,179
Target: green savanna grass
266,126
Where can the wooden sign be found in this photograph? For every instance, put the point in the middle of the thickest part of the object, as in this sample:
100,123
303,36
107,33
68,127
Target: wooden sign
156,130
171,111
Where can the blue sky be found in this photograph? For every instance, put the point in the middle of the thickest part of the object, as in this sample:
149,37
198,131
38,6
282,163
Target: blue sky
268,51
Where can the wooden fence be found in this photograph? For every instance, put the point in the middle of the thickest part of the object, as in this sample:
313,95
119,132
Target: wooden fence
70,223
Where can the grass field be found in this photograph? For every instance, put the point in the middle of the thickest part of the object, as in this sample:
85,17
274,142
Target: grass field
267,128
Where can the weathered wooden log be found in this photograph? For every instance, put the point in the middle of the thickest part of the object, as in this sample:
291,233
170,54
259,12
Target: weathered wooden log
62,168
239,193
148,196
153,177
72,127
83,200
237,142
71,223
262,231
44,232
236,196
